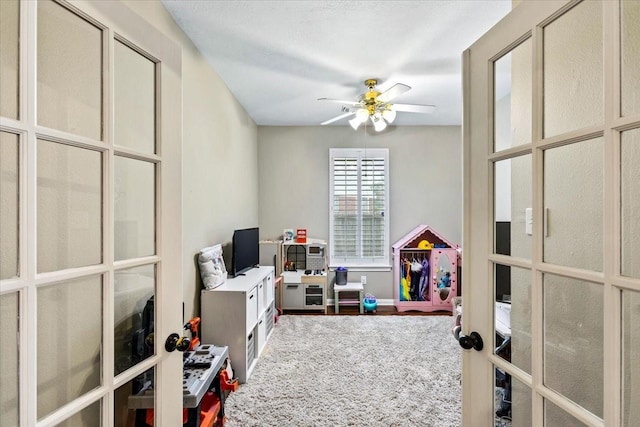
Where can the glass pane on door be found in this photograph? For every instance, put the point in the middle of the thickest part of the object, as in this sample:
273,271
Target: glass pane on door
630,358
69,328
69,206
9,58
134,208
134,399
630,55
573,70
134,314
555,417
574,204
630,202
134,99
88,417
513,315
512,98
513,218
9,362
9,205
512,401
69,72
574,340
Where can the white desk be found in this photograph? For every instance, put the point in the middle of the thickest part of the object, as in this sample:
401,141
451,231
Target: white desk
349,287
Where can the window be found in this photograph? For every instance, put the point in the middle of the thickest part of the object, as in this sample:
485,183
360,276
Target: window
358,201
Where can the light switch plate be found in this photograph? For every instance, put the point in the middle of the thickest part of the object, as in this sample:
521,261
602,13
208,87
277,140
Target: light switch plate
528,221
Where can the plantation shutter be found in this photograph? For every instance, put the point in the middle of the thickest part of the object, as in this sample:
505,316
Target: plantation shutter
359,198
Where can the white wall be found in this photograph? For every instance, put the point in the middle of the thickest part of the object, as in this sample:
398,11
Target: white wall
425,181
219,155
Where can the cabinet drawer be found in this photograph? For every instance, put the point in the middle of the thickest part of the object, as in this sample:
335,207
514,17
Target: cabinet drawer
292,295
262,333
269,318
251,347
252,308
261,297
269,289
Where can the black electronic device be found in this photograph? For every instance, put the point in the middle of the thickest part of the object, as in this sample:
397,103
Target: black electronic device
245,248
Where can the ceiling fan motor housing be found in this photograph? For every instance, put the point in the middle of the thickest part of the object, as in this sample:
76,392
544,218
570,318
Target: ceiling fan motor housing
370,99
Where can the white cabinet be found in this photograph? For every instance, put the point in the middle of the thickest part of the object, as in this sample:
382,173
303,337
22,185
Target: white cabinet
304,291
239,314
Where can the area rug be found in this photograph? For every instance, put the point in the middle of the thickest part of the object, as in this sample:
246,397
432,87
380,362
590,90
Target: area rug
363,370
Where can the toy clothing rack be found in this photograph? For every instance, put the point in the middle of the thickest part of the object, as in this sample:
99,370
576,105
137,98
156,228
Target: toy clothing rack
426,271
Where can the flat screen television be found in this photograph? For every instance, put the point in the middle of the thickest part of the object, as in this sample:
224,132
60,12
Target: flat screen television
245,249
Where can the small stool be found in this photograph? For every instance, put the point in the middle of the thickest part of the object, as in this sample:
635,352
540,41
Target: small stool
349,287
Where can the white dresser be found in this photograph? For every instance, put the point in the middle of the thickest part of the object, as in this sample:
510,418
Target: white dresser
239,314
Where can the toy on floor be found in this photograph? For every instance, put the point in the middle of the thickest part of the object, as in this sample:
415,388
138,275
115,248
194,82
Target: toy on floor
370,303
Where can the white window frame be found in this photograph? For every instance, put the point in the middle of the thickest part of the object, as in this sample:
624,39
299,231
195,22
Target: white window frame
359,262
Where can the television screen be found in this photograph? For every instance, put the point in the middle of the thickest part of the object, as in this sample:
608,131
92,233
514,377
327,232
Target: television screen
245,250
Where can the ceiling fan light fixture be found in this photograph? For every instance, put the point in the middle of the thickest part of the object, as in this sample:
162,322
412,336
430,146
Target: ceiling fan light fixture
362,115
389,115
355,123
378,123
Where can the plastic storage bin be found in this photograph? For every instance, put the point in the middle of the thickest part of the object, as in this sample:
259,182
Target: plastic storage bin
341,276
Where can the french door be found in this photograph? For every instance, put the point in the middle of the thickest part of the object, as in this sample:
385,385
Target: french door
90,217
552,217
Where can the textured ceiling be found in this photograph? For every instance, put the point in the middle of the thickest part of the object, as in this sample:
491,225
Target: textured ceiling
279,57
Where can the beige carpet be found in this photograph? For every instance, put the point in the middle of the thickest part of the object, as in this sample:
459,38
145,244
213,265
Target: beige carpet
353,371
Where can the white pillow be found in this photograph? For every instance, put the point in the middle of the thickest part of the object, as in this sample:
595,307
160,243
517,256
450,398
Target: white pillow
212,269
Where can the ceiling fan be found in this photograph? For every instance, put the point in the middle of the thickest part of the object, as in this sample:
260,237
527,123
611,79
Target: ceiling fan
376,106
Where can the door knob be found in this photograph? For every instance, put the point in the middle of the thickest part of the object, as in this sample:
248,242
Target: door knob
471,341
176,342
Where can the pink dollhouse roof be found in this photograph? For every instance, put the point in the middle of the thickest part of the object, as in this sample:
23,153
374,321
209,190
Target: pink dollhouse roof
421,232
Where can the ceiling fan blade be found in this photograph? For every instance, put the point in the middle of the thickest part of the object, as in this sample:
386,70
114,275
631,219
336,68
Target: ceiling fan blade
413,108
395,90
340,117
339,101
